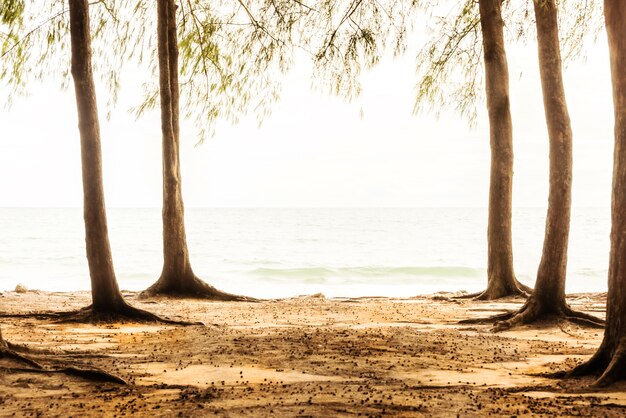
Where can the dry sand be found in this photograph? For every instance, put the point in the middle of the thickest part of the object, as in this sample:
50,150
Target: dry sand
307,356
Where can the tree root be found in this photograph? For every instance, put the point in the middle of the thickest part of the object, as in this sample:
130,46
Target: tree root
593,366
35,315
123,313
192,288
14,355
91,374
94,375
488,320
518,289
7,351
609,367
533,312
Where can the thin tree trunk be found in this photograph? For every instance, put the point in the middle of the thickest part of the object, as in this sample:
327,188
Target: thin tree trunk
177,277
175,253
501,276
610,359
548,298
550,285
104,289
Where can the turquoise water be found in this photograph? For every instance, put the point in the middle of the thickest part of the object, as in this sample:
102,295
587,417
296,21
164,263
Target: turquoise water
286,252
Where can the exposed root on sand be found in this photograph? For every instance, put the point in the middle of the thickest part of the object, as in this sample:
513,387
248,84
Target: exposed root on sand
123,312
487,320
533,312
608,363
94,375
500,291
8,352
191,288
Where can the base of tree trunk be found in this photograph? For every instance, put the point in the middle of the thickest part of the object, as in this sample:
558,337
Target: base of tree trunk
609,365
192,288
499,292
534,312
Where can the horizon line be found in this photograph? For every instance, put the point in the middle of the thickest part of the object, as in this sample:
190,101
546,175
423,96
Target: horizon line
307,207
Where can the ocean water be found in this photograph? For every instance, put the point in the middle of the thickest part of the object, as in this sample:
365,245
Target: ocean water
286,252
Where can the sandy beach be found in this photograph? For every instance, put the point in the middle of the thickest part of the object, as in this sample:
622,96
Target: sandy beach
305,356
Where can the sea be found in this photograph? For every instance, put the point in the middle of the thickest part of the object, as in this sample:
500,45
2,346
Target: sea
275,253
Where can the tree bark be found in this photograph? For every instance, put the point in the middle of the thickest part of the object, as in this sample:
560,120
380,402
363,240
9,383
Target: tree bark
610,359
501,279
105,293
175,253
177,277
550,284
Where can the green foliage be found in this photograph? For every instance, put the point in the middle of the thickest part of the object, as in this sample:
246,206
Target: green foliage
36,44
233,54
346,37
11,11
232,58
449,66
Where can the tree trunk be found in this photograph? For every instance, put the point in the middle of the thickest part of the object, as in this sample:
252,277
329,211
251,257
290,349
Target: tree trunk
501,276
548,298
175,253
610,359
104,289
550,285
177,277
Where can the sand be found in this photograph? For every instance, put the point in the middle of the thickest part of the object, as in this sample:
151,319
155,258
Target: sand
307,356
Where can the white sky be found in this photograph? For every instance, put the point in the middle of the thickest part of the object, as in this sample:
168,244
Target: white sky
316,151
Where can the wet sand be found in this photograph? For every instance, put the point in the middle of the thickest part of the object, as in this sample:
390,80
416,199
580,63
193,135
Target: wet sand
307,356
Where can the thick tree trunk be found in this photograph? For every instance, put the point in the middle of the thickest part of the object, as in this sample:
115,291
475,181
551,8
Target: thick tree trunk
177,277
610,359
104,289
501,276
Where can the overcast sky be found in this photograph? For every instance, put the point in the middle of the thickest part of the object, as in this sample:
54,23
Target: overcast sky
316,151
